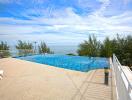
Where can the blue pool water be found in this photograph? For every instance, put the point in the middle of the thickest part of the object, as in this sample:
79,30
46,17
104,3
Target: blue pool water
79,63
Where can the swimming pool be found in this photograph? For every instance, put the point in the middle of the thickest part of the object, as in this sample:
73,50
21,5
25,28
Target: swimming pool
79,63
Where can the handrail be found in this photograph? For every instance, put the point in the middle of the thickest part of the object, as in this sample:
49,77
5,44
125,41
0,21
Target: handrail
122,70
121,73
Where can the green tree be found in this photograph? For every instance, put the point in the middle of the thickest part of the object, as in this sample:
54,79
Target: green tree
43,48
4,49
24,48
91,47
124,50
122,47
107,48
71,54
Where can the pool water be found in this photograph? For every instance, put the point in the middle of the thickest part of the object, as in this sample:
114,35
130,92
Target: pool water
79,63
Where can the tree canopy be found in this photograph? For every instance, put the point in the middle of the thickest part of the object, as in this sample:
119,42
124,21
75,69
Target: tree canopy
90,47
43,48
24,48
4,49
122,47
24,45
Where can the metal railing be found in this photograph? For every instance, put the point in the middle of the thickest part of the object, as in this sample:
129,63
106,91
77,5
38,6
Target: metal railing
123,85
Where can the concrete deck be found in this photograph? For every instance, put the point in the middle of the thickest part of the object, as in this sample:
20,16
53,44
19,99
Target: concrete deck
25,80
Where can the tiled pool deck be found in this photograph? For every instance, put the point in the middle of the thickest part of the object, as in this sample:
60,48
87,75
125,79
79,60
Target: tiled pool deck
25,80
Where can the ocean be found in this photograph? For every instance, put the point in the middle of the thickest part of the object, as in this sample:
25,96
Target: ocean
57,49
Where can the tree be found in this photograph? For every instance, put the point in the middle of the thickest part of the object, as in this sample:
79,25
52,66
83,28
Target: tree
71,54
4,49
122,47
24,48
43,48
90,47
106,48
124,50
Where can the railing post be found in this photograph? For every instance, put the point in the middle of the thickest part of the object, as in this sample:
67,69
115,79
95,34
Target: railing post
106,78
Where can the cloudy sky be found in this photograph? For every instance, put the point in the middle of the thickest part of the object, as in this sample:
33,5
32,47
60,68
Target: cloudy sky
67,22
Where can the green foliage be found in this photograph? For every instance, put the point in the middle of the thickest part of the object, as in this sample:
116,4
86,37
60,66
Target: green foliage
122,47
44,49
90,47
71,54
24,45
106,48
124,50
4,49
4,46
24,48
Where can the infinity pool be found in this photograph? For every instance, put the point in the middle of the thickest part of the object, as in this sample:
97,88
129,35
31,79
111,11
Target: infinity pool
79,63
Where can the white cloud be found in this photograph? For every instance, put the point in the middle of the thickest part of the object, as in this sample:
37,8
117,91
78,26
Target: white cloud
64,25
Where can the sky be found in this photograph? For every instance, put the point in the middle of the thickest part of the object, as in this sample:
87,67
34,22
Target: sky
64,22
